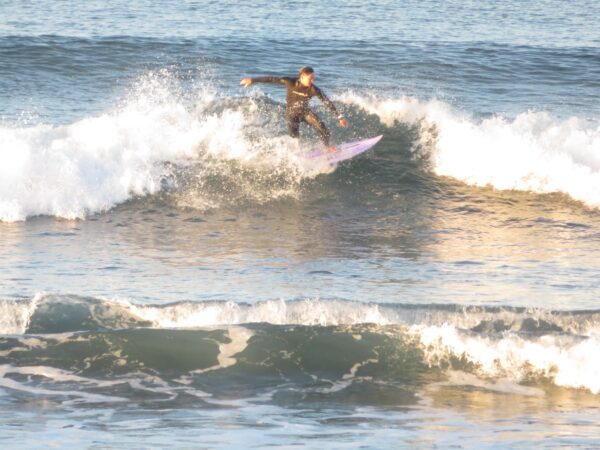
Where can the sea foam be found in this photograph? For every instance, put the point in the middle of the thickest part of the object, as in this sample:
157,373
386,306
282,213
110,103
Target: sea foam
533,151
566,360
98,162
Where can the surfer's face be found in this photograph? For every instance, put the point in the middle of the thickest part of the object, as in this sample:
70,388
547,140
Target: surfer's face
307,79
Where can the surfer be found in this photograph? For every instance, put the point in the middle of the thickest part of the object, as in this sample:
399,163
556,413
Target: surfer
300,90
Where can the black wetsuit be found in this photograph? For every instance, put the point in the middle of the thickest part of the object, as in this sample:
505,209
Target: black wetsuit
298,110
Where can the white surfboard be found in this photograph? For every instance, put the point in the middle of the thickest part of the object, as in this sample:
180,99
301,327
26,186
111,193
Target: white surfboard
343,151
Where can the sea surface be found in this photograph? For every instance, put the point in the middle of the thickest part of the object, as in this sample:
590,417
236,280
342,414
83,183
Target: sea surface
174,273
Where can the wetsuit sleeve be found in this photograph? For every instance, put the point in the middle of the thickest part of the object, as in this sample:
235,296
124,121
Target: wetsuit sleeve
275,80
326,101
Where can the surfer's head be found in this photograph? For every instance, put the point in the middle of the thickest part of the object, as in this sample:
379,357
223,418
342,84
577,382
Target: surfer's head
307,76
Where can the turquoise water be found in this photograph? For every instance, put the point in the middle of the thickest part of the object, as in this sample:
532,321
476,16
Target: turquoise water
174,272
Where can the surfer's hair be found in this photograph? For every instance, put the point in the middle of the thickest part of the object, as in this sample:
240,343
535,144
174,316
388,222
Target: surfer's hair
306,70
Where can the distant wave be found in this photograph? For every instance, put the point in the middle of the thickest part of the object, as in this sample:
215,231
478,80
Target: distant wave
40,314
490,343
532,152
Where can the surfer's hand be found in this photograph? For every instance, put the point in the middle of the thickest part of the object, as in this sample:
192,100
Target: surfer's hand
246,82
343,123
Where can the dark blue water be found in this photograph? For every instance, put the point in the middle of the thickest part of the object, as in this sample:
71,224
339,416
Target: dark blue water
174,272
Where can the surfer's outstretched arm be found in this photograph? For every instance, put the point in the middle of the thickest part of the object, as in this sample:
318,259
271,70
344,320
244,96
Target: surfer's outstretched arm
329,104
275,80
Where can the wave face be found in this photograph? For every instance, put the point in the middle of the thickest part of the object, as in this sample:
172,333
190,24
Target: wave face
328,346
222,150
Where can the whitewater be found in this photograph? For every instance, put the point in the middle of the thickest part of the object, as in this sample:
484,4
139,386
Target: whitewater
92,165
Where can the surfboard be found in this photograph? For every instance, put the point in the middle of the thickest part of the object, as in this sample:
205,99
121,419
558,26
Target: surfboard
343,151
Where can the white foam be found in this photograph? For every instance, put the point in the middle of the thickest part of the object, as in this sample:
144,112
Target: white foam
348,378
239,341
226,358
531,152
322,312
59,378
304,312
16,314
55,375
325,312
502,385
566,360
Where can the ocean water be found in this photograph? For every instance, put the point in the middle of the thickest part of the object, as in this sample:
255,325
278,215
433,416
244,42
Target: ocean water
174,274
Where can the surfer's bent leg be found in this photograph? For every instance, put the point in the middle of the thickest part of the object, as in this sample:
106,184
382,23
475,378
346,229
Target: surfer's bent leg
313,120
293,123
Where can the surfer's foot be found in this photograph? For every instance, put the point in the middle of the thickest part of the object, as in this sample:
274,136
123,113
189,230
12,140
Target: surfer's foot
330,149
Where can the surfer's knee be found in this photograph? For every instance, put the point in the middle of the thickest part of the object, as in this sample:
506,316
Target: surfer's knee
294,130
293,127
313,120
323,131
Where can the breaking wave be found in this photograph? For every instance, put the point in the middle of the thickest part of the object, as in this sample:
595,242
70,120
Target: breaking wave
530,152
216,150
332,339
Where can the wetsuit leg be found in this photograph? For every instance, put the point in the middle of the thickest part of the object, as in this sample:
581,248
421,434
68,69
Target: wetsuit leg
293,123
313,120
